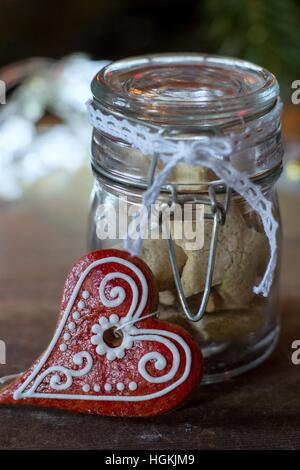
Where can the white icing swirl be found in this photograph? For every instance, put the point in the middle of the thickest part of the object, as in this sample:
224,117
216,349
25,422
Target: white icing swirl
118,294
56,382
160,360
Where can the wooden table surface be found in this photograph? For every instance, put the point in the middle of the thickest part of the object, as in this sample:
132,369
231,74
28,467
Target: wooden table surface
39,239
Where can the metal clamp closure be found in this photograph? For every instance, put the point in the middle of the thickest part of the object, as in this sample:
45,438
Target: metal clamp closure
218,215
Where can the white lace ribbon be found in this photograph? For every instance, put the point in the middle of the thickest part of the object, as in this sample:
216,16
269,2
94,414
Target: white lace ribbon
212,152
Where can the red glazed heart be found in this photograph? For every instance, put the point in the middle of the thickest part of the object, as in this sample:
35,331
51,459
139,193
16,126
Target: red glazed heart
88,367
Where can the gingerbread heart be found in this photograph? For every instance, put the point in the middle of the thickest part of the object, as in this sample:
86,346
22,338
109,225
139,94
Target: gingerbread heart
108,355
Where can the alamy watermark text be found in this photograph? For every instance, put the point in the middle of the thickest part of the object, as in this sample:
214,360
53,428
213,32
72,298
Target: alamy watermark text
2,92
296,94
2,352
159,221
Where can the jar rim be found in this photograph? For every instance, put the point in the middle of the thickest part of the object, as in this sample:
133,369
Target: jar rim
183,88
264,179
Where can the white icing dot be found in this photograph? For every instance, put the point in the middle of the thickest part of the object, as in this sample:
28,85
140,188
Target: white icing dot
76,315
120,386
120,354
71,326
96,388
103,321
96,329
132,386
107,387
114,318
95,340
111,355
100,350
85,294
86,388
63,347
81,304
67,336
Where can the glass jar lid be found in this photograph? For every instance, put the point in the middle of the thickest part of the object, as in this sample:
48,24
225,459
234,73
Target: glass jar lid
181,89
185,97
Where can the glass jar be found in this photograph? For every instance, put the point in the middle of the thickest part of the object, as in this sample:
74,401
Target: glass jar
189,97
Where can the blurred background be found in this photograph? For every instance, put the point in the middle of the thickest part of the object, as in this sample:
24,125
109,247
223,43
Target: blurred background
263,31
50,50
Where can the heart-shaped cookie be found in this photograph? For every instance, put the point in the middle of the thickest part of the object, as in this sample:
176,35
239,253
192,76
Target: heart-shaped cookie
105,357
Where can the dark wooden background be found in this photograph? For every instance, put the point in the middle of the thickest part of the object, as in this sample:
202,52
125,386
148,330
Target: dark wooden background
104,29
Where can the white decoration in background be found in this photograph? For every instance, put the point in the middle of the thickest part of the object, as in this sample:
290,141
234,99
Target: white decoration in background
28,154
113,298
211,152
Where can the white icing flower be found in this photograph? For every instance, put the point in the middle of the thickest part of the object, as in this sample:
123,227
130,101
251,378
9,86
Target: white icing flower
102,348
